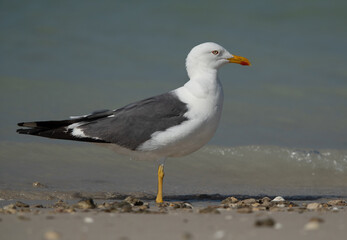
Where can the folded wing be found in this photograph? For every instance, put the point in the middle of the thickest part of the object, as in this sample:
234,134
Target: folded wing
128,127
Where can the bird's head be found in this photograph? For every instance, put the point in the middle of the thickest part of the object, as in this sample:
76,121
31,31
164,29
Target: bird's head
210,56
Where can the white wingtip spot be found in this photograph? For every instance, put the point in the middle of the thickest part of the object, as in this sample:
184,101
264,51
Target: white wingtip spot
77,132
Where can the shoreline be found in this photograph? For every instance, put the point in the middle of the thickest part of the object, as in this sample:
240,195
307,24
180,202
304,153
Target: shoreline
132,218
44,194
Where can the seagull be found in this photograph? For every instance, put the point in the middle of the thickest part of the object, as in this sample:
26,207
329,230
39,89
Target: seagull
173,124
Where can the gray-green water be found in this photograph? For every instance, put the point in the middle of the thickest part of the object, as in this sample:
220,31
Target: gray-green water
73,57
224,170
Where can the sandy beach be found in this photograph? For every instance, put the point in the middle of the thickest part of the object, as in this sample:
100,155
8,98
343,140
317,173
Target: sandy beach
132,218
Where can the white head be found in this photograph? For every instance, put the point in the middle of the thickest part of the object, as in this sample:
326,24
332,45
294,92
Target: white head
210,56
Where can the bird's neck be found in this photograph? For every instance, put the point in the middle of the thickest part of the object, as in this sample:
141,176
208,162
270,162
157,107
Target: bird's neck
197,69
203,83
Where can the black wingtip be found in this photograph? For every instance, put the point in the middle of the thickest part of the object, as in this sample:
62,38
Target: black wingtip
30,131
21,124
22,131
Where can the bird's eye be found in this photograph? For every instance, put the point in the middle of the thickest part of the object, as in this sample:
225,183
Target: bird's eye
215,52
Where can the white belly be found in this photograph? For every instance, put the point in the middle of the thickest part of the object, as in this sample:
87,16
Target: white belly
176,141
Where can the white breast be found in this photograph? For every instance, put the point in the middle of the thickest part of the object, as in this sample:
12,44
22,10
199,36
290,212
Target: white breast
204,112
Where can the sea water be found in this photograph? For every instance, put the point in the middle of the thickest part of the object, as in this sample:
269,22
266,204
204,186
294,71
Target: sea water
283,128
244,170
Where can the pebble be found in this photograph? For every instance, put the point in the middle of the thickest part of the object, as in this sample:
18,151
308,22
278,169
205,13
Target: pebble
38,185
104,205
317,219
245,210
21,205
9,207
265,199
256,209
291,205
144,207
69,210
120,204
88,220
313,206
276,209
24,218
133,201
337,202
11,211
60,204
249,201
125,207
176,205
278,199
38,206
52,235
278,226
86,204
256,204
313,224
187,236
266,222
335,209
267,204
219,234
230,200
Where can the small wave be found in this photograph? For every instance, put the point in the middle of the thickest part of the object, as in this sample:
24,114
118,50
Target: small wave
276,168
334,160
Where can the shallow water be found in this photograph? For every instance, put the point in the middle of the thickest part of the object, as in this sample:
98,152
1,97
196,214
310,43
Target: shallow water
284,119
251,170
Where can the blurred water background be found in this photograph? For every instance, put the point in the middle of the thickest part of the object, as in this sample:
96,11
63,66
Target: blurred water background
284,124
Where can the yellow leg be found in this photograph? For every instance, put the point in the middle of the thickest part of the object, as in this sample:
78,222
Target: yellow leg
160,184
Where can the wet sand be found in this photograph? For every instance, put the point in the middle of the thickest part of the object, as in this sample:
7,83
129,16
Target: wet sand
132,218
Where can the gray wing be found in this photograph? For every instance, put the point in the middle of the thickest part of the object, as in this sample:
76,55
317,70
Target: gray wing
134,124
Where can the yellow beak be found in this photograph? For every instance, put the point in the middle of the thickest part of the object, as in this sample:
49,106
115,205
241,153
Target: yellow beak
239,60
